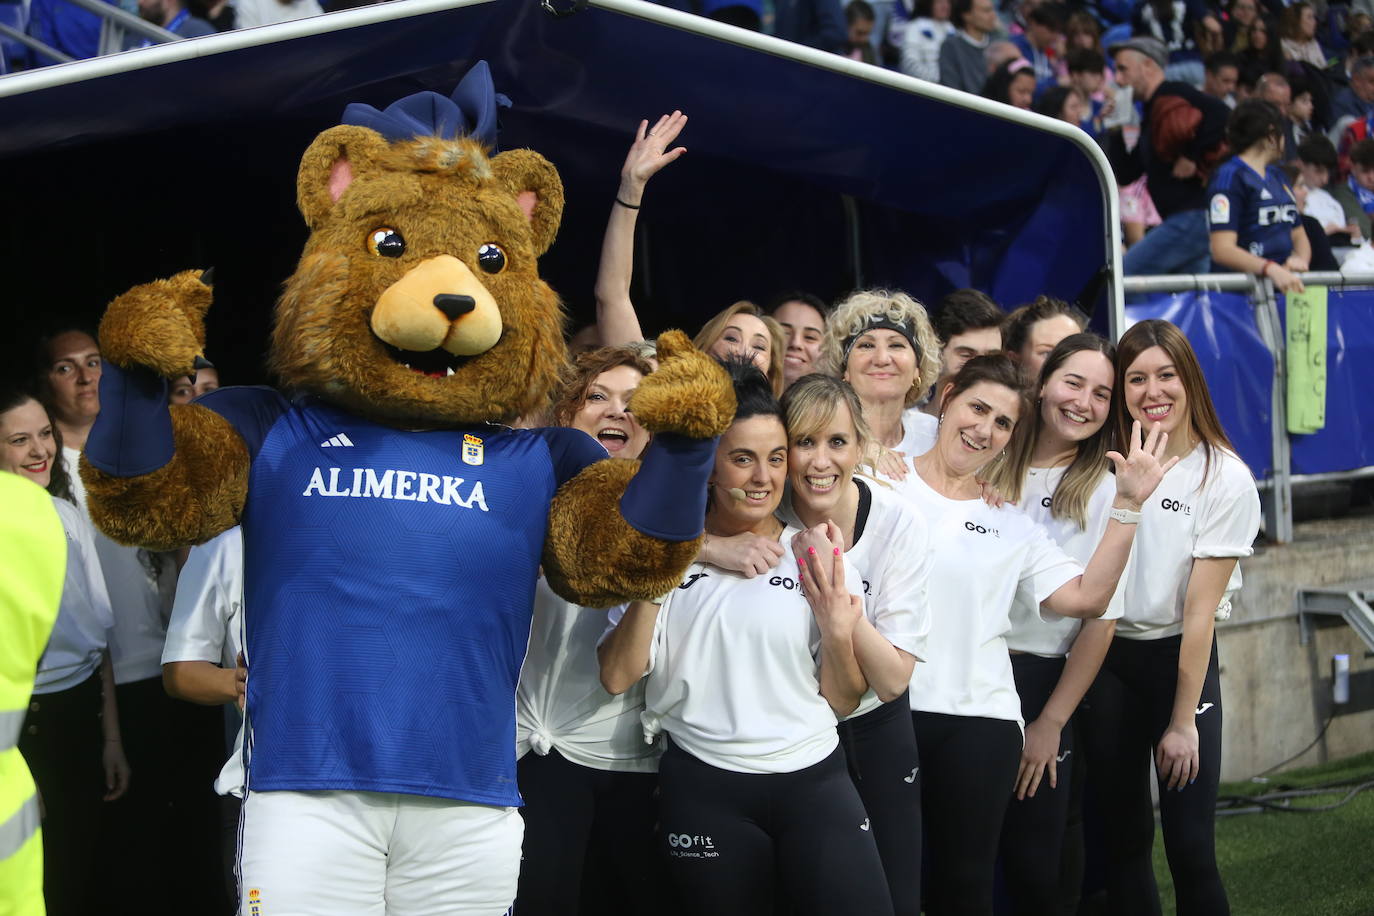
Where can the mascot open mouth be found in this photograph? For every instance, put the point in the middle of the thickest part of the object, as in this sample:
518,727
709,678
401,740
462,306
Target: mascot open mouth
436,363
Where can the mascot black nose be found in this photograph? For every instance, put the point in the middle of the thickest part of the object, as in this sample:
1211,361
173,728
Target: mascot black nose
454,306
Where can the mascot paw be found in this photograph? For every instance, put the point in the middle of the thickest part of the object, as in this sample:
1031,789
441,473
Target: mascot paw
690,393
160,325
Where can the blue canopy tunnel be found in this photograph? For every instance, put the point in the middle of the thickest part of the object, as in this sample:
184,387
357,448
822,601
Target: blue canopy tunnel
804,169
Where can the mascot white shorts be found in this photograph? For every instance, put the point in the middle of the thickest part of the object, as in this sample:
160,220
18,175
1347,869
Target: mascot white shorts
376,854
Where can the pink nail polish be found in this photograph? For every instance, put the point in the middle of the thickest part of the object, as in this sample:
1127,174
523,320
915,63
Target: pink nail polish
837,551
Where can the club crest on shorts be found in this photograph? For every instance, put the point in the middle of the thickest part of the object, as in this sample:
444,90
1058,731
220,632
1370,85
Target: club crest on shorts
472,449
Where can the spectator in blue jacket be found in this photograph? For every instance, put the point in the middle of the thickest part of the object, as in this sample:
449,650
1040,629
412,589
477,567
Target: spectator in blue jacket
1042,43
815,23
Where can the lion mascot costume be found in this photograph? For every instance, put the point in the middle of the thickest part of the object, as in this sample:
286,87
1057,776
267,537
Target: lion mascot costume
394,526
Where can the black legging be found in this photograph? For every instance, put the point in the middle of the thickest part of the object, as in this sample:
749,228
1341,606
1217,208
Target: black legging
1033,831
571,811
1131,704
170,815
732,837
61,741
880,748
968,771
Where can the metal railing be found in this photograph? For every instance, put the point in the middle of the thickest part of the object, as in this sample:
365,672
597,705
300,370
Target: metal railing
1276,493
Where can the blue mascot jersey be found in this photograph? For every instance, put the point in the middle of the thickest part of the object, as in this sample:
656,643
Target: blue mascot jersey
389,580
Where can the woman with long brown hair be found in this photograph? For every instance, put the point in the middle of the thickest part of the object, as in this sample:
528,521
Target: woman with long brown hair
1067,490
965,708
1159,693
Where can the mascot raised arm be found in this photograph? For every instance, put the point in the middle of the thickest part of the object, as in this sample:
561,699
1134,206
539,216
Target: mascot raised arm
393,527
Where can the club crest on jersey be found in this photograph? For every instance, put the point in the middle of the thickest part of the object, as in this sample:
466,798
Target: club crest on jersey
472,449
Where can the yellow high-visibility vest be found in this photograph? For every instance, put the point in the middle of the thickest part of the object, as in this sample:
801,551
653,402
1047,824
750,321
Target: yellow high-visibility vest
33,562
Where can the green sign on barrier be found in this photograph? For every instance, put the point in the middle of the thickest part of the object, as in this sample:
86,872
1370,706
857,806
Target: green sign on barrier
1306,360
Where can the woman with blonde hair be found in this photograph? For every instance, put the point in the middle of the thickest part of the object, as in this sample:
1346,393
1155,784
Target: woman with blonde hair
881,343
886,540
742,329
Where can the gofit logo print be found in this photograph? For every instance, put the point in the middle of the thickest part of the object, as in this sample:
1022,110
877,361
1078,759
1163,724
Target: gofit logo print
980,529
1174,505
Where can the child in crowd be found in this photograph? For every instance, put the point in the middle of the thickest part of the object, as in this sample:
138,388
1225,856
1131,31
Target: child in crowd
1089,75
1356,193
1341,225
1322,257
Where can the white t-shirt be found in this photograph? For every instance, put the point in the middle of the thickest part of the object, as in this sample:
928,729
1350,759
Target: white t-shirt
560,702
250,13
1185,520
133,584
921,47
918,437
1324,208
81,631
207,624
1038,630
733,675
893,557
984,559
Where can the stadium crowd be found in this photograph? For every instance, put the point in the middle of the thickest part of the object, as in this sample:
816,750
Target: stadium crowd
1154,82
955,599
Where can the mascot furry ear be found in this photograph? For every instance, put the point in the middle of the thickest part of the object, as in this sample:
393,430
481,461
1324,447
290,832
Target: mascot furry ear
393,528
534,183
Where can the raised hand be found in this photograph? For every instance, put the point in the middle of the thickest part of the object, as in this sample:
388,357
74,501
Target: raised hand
1140,472
649,153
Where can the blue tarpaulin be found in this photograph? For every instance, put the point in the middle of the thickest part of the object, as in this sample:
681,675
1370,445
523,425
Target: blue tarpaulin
1239,368
1240,372
1347,440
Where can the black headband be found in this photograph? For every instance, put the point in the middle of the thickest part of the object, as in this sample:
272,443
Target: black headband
877,322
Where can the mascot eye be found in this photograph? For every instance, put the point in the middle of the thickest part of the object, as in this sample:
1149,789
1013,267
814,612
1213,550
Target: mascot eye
491,258
386,242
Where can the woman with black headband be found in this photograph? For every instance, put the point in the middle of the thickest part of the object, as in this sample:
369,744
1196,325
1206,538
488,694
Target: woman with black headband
882,344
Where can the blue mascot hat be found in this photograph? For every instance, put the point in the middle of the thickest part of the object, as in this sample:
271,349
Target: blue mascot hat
471,111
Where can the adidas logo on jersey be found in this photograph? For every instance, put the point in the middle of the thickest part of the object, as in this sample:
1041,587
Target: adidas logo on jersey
339,441
1265,195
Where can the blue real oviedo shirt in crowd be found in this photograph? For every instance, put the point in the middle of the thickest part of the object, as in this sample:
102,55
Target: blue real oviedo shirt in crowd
1258,208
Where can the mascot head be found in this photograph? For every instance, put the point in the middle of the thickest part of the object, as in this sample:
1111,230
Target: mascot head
417,301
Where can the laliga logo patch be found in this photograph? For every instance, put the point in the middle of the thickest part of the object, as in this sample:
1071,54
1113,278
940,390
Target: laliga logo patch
1220,211
472,449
